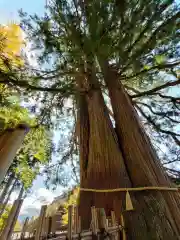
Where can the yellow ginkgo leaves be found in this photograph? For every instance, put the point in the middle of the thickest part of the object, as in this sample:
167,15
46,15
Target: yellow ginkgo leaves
11,43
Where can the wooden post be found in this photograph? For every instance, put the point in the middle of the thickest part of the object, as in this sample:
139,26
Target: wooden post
10,142
123,226
76,220
45,228
23,232
79,224
94,220
102,219
40,222
70,210
114,223
53,224
92,226
49,225
113,219
11,219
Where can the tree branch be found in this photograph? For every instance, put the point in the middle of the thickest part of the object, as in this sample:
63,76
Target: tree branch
171,161
176,172
158,13
24,84
162,114
159,67
132,89
157,127
149,43
172,99
152,91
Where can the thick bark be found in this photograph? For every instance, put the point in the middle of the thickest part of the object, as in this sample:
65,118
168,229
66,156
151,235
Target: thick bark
83,117
104,168
10,141
159,209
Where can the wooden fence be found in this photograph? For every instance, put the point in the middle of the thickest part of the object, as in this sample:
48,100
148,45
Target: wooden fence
101,227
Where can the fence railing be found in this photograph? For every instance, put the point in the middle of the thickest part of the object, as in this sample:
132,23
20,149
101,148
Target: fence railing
100,226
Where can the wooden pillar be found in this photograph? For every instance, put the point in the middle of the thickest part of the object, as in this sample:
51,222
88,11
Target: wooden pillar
23,232
53,224
49,225
75,220
94,223
10,142
11,219
70,214
114,224
40,222
45,228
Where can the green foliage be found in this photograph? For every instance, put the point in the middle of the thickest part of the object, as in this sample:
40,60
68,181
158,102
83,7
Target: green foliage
15,115
4,94
4,216
160,59
26,174
17,226
36,148
34,153
38,143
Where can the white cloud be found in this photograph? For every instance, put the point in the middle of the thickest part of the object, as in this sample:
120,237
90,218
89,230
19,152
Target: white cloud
33,202
45,196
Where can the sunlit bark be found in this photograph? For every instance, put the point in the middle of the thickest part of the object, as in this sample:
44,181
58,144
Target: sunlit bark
10,142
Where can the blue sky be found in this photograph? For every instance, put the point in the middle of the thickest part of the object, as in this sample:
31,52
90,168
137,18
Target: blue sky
9,8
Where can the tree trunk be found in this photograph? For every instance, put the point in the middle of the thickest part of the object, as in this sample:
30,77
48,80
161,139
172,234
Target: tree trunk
99,150
5,202
83,133
10,141
83,118
160,210
12,218
20,202
6,188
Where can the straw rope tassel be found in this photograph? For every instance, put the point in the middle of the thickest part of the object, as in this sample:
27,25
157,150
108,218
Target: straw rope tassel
123,228
129,205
